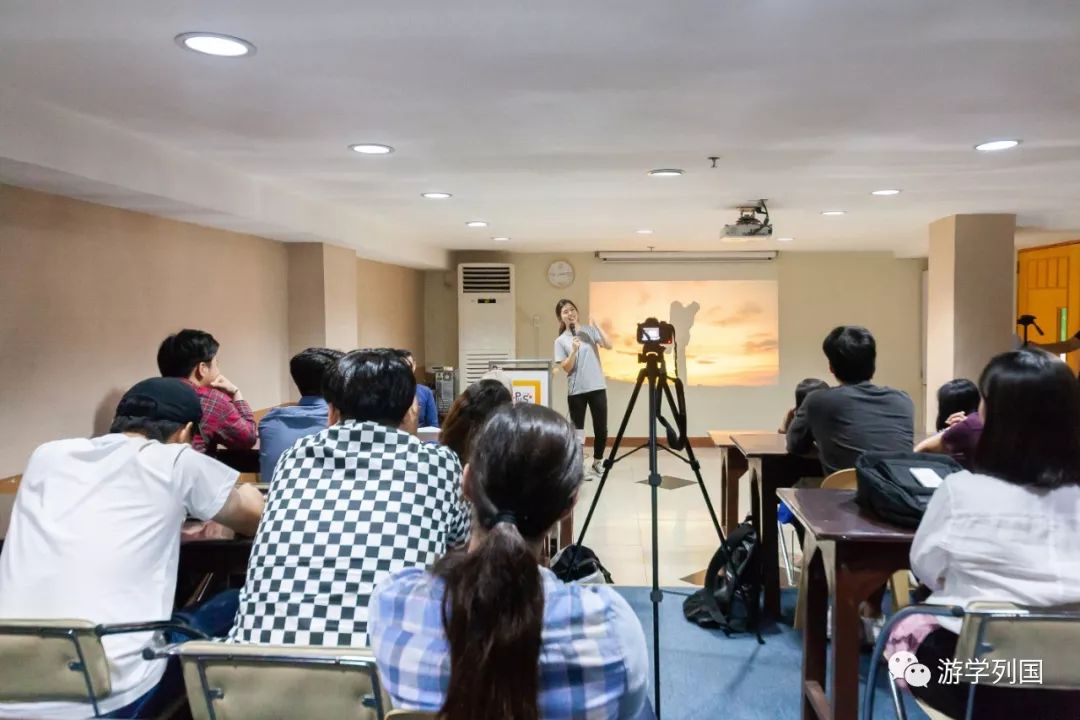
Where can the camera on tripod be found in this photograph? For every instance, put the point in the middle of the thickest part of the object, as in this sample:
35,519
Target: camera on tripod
655,332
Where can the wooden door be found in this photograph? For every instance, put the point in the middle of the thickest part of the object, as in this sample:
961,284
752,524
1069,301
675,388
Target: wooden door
1048,287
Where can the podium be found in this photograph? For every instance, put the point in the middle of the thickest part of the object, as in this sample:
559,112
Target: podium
530,378
530,381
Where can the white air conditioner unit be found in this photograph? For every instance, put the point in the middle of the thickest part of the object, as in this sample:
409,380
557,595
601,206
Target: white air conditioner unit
708,256
486,318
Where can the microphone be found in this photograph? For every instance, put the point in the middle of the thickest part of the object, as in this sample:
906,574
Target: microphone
573,329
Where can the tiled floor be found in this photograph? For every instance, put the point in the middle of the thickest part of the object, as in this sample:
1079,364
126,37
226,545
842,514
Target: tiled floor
620,529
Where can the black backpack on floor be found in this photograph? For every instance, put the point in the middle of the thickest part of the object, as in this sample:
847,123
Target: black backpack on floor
731,598
579,563
887,488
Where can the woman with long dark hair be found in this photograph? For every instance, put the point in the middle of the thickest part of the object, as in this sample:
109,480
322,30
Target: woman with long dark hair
577,353
959,423
468,413
490,634
1007,531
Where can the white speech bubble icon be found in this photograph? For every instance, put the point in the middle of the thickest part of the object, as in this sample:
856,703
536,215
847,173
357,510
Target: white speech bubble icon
917,675
899,662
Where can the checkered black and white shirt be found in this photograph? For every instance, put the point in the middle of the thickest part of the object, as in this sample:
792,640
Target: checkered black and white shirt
347,507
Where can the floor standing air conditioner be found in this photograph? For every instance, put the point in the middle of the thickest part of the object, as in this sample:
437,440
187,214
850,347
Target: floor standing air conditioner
486,314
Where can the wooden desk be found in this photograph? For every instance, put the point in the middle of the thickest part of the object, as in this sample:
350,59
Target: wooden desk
771,467
734,465
7,502
868,551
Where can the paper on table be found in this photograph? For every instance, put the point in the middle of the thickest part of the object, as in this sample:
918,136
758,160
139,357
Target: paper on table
926,477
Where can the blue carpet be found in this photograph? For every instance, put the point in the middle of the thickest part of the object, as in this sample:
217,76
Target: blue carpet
705,675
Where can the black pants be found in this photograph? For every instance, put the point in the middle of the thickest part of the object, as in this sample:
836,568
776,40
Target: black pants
596,401
990,701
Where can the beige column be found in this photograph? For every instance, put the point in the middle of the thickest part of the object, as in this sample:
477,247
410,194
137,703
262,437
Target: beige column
971,298
322,296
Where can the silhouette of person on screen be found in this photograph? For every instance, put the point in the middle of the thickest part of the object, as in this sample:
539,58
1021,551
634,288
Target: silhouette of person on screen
682,317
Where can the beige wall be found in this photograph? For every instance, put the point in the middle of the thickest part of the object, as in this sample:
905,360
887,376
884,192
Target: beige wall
307,303
390,307
339,286
88,292
817,292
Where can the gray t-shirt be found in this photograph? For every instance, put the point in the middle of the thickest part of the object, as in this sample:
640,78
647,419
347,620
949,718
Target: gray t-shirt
587,374
849,420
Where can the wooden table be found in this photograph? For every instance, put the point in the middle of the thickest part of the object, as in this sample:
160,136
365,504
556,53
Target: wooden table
771,467
734,465
868,551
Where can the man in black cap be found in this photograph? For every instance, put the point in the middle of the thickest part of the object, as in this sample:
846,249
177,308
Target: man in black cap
95,535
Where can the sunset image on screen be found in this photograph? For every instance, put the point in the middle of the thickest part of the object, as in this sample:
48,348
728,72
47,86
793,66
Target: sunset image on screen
727,330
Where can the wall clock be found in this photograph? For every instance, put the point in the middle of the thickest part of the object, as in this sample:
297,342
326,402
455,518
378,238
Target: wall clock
560,274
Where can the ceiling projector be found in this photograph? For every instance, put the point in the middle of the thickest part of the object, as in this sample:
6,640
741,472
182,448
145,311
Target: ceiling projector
753,223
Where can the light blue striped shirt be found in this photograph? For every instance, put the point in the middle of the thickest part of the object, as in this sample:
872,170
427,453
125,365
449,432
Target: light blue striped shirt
593,660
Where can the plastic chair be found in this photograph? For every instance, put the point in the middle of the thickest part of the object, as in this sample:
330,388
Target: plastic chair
63,660
234,681
995,631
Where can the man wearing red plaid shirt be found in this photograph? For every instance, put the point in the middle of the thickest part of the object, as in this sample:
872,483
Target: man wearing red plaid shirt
227,419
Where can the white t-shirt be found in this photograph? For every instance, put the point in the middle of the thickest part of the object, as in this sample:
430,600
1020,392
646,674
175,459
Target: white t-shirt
983,538
95,535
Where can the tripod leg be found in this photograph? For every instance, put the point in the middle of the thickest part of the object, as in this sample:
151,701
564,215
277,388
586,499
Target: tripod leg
614,451
694,464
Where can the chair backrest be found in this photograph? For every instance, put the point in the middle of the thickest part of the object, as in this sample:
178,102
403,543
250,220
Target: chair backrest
228,681
411,715
60,660
1004,633
841,480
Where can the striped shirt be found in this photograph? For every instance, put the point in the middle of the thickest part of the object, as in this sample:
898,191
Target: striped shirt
593,661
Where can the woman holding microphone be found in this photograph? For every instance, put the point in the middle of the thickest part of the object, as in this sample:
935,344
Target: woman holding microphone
576,351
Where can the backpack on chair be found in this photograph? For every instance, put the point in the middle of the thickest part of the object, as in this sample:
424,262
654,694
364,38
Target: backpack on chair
731,598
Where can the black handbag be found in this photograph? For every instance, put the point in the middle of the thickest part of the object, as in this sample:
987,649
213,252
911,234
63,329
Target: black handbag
888,488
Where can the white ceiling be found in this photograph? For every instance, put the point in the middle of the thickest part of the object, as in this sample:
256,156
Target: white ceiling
544,117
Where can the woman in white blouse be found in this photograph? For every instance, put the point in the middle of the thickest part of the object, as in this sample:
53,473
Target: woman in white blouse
1009,531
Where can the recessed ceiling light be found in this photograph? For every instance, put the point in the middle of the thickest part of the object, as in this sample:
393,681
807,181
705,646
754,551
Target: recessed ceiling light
371,149
216,44
501,239
784,239
883,193
436,195
833,212
995,145
666,172
476,223
644,231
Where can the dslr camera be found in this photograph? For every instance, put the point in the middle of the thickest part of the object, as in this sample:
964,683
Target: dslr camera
655,332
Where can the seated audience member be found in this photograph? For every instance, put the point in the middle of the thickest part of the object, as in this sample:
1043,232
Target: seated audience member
958,422
1009,531
468,413
492,633
283,426
95,535
857,416
804,388
348,506
227,418
497,373
429,411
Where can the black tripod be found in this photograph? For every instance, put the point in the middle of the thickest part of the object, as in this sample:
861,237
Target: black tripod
655,372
